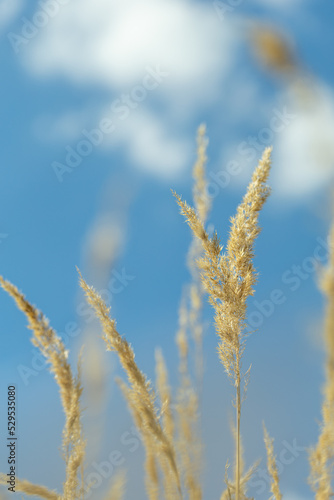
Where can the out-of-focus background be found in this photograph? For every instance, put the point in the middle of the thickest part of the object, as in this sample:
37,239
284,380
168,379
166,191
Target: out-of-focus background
100,104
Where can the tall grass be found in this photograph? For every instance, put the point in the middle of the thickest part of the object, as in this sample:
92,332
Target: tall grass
322,455
171,432
229,279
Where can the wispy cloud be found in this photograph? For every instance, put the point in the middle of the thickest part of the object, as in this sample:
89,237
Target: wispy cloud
150,144
305,149
107,44
301,129
110,43
9,10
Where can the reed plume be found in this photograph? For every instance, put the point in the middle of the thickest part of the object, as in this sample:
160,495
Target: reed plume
152,481
188,442
140,397
116,491
170,433
187,409
164,392
229,278
322,455
273,50
53,349
272,466
24,486
202,205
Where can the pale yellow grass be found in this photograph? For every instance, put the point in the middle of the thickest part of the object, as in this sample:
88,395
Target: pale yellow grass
322,455
52,347
170,427
229,278
272,466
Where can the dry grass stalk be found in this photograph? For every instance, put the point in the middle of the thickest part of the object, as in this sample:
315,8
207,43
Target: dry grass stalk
117,488
187,409
140,395
31,489
52,347
200,193
166,416
189,442
273,50
272,466
164,392
152,482
245,477
322,456
152,474
153,454
230,490
202,205
229,279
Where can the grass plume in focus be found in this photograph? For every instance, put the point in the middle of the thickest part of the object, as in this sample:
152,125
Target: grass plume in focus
229,278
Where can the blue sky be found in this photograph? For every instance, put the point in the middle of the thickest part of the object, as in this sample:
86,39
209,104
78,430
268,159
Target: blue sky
115,208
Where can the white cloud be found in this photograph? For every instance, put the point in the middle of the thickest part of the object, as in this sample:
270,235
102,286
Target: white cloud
301,128
110,44
305,149
149,144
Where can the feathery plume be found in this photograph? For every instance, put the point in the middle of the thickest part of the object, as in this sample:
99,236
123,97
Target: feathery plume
200,193
272,466
273,50
140,396
229,278
189,442
202,206
116,491
53,349
322,455
164,393
188,439
152,477
28,488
